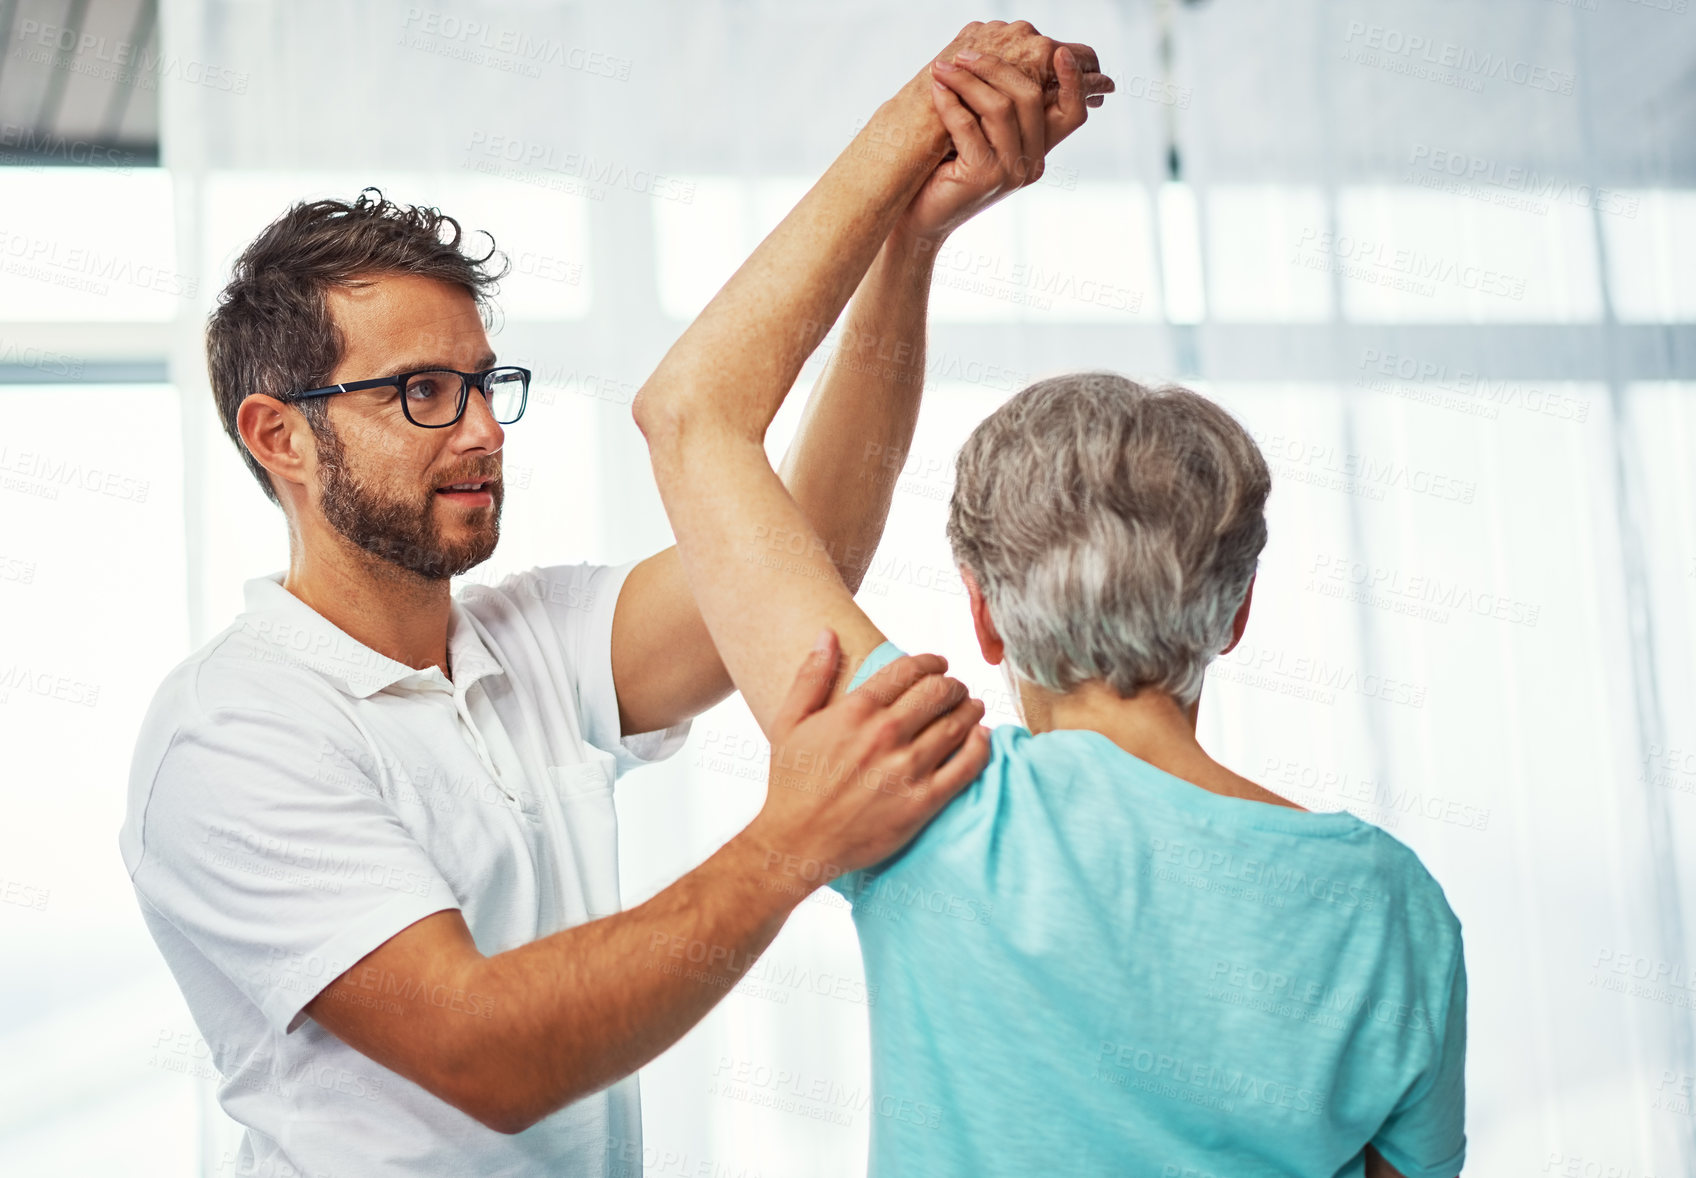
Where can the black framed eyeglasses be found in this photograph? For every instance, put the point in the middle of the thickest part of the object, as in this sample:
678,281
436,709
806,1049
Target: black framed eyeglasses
436,397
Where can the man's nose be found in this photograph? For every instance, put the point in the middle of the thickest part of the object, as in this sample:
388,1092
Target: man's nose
478,423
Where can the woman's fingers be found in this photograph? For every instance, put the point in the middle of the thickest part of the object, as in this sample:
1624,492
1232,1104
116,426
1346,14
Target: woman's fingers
1096,83
1087,61
1070,111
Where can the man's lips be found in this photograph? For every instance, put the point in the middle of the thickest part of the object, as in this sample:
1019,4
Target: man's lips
484,497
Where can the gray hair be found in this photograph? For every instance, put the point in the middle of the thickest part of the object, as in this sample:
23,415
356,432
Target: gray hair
1113,529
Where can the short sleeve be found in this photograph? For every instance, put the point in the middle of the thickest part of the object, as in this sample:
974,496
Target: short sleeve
272,852
852,883
578,601
1425,1137
874,662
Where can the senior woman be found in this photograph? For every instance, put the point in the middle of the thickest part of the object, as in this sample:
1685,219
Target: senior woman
1109,954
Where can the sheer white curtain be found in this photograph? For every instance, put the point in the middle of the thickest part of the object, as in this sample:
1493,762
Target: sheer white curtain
1438,258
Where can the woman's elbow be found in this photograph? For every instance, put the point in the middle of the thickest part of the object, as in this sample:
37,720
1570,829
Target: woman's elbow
658,413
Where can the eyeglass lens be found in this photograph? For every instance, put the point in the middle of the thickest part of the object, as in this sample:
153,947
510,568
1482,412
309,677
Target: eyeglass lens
432,398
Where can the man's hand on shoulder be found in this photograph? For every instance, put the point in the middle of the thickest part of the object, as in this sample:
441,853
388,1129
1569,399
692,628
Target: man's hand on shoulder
851,783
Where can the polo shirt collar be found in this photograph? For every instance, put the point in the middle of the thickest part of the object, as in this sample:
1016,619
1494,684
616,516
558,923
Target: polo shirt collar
304,636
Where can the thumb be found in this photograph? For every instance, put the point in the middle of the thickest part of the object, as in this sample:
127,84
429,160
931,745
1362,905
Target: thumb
811,688
1069,112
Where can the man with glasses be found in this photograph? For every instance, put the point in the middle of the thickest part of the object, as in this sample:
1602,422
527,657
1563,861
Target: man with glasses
435,397
371,825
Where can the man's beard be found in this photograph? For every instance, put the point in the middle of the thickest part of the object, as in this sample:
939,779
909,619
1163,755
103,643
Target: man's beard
398,532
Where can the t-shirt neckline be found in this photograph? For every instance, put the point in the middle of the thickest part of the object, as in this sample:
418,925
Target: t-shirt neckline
1188,796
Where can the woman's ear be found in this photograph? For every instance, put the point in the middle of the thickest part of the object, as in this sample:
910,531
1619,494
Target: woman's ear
1240,622
988,640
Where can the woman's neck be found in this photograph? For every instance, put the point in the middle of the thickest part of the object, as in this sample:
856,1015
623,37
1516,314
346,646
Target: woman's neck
1151,726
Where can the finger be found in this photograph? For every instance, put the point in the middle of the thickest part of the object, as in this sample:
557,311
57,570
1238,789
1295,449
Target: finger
1069,111
1026,96
1000,73
918,707
885,686
959,770
942,736
1096,88
964,130
993,109
969,758
811,687
1087,61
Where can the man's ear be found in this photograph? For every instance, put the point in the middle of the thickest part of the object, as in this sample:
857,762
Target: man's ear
1240,622
988,640
275,438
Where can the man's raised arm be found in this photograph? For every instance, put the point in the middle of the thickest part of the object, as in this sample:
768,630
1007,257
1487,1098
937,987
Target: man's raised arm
706,408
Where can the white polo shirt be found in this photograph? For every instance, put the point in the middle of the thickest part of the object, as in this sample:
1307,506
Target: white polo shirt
297,798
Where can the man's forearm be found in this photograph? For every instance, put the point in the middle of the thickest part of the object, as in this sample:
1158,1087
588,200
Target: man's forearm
574,1012
857,425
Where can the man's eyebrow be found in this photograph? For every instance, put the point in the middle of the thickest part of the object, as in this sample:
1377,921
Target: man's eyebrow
487,360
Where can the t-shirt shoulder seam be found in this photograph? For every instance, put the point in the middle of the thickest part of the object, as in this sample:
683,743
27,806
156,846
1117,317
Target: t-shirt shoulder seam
146,806
1421,880
177,730
195,667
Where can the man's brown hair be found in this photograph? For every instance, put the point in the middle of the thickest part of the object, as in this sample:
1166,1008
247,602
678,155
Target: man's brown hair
272,331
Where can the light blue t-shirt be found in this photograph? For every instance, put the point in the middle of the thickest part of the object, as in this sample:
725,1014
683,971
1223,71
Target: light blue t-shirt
1085,965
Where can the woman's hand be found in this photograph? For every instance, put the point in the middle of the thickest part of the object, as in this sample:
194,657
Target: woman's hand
1002,126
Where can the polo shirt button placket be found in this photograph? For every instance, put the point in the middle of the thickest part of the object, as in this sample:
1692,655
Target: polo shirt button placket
482,749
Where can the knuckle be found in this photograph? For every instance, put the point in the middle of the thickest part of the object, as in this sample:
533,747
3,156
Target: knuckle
858,705
927,707
907,764
947,696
